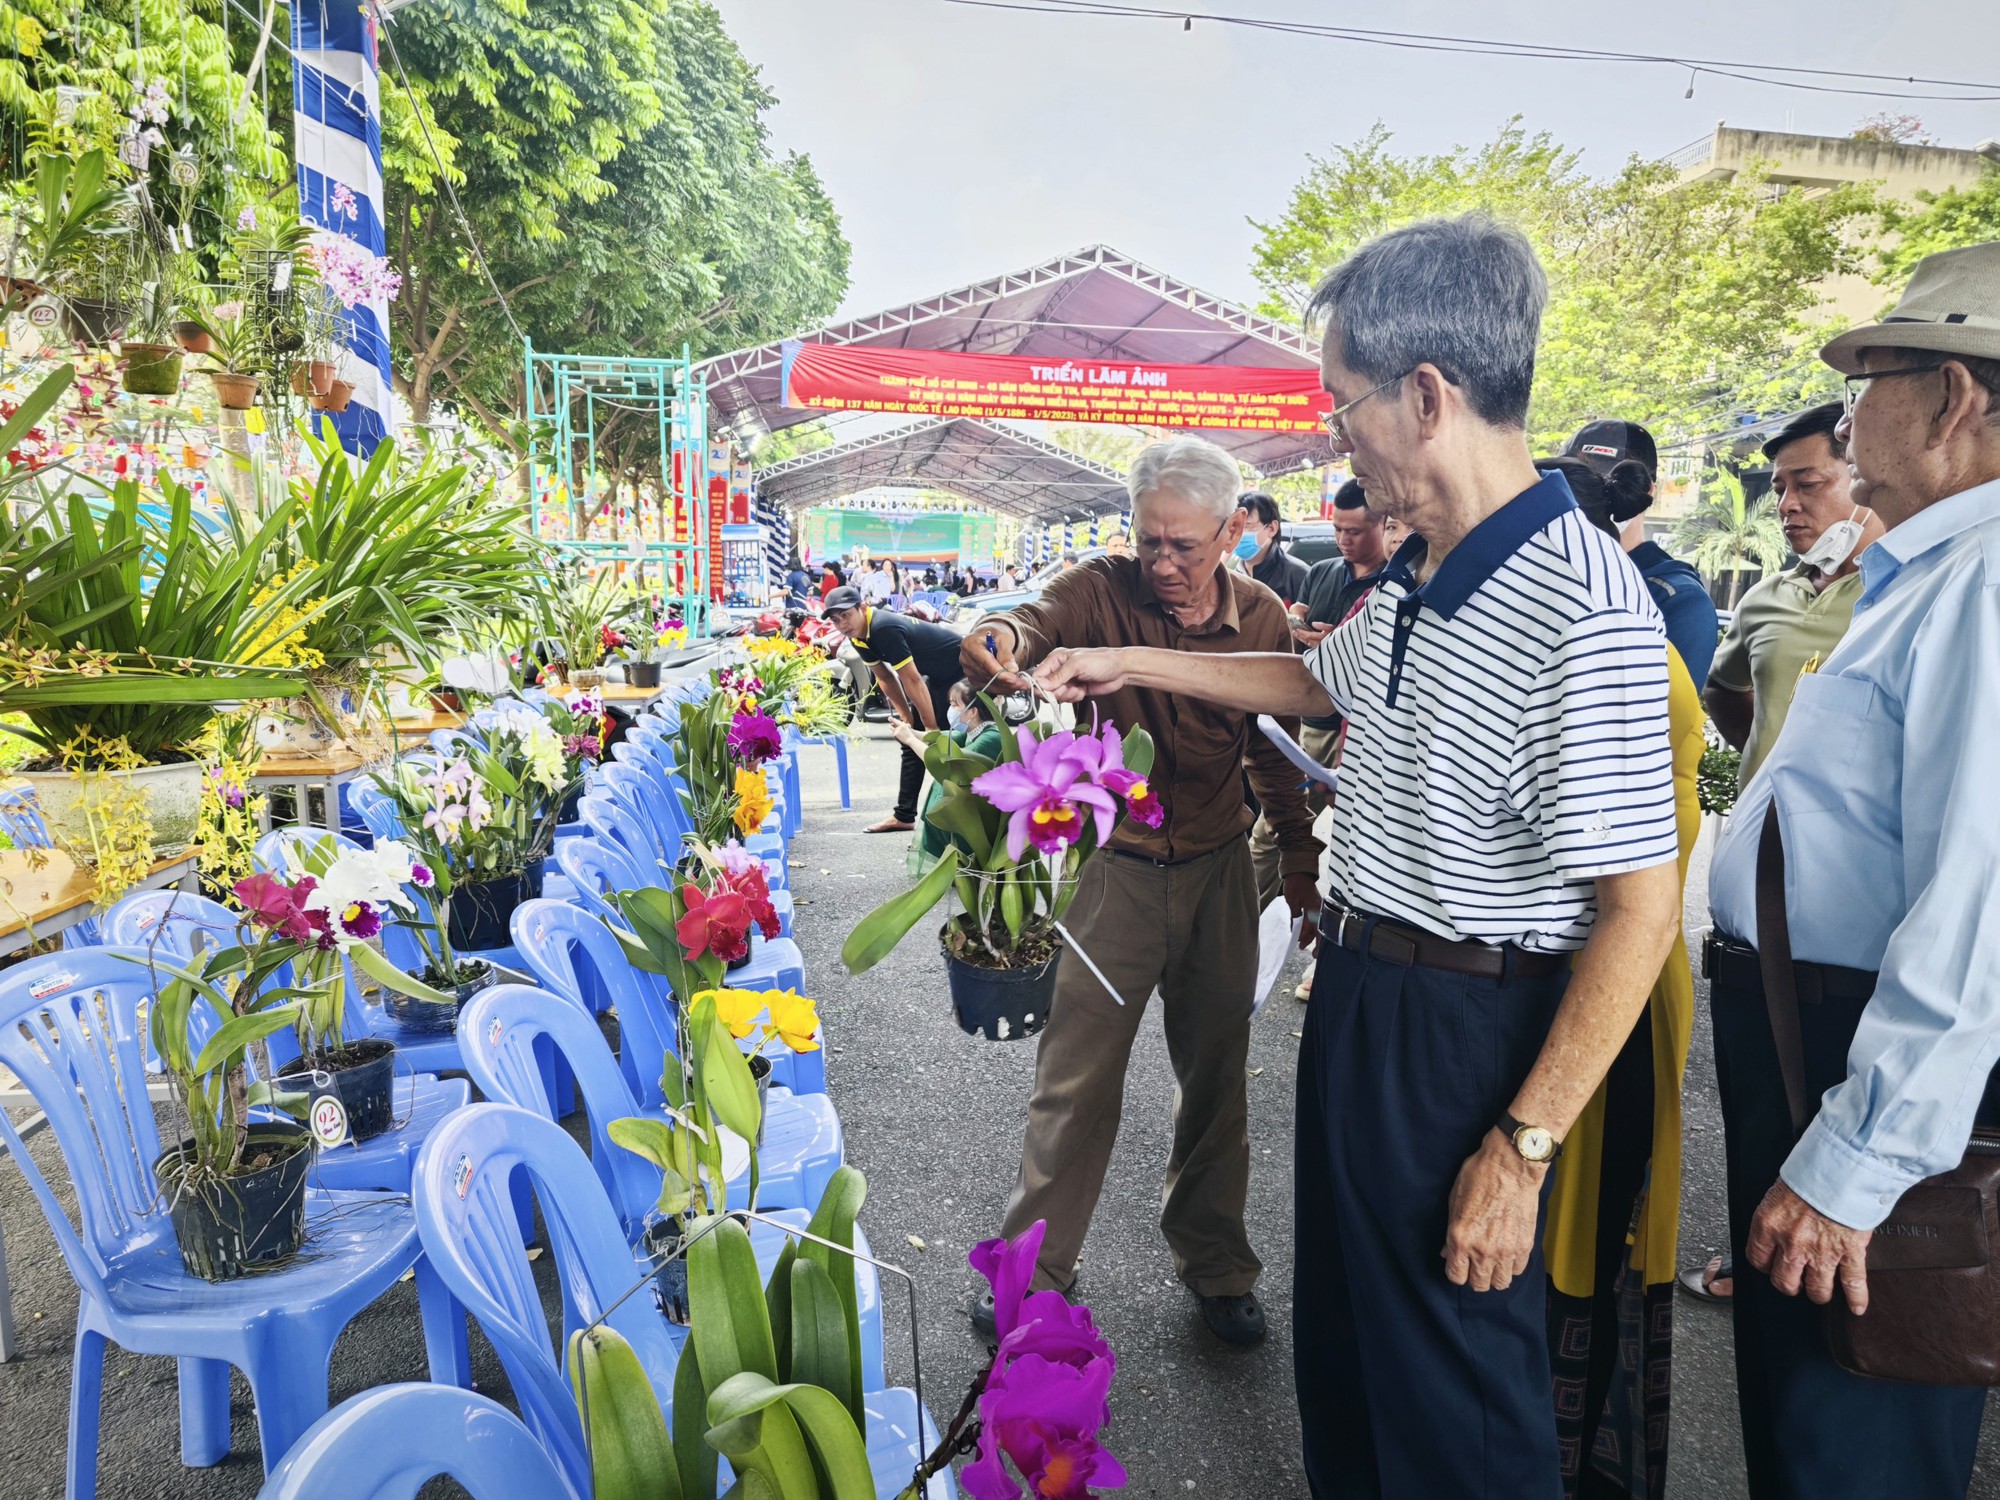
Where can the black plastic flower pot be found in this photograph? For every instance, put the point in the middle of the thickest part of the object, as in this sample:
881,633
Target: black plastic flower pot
234,1227
645,674
363,1073
481,912
93,321
433,1016
571,807
670,1278
1002,1005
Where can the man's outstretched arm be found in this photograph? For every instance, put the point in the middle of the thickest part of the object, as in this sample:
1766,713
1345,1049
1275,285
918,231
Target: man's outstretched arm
1254,682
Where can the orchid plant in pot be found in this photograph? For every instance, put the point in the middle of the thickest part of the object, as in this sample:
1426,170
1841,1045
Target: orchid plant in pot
720,746
235,1183
1020,832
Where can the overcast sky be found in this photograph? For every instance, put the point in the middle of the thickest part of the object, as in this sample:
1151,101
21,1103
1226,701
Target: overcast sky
961,143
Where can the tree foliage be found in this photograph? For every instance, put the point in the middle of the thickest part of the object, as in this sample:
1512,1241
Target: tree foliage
1724,533
1674,304
612,159
1948,220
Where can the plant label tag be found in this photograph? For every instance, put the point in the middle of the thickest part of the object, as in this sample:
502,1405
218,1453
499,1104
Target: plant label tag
281,275
41,989
329,1121
43,312
135,152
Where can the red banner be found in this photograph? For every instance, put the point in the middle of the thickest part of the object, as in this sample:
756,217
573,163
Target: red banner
925,382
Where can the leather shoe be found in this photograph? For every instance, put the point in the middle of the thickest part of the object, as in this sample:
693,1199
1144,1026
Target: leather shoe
1235,1320
983,1322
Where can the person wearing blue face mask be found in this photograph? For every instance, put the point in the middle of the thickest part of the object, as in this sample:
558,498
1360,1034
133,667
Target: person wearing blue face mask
1262,549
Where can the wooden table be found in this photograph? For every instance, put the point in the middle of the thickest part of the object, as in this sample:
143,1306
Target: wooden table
411,730
330,772
37,904
629,696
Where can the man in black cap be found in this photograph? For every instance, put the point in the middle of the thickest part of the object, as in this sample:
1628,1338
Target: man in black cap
1623,452
916,662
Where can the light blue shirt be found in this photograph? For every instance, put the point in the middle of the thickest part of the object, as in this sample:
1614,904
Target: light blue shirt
1887,782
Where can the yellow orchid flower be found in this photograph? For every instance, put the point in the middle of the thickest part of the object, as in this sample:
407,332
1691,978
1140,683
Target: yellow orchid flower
736,1009
794,1019
753,801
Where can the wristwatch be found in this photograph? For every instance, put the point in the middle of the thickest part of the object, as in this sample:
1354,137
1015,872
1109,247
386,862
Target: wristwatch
1533,1142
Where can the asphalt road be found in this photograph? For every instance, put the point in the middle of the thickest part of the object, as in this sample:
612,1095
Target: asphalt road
934,1119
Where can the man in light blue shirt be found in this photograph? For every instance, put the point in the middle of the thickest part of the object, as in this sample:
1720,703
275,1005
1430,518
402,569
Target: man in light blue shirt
1883,780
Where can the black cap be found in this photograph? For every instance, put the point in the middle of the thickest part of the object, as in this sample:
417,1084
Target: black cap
1605,445
845,597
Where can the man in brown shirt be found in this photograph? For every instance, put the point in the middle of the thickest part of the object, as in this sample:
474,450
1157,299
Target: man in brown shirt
1173,907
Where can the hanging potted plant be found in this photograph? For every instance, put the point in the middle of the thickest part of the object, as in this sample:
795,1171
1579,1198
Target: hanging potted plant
234,357
153,626
59,240
1020,832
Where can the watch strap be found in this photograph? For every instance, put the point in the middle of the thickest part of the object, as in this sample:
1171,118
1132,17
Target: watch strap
1512,1128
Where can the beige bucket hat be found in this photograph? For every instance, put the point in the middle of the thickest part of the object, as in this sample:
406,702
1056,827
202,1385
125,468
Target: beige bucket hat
1951,306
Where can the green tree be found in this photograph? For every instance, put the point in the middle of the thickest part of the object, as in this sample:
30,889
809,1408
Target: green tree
1726,534
612,159
1672,304
1948,220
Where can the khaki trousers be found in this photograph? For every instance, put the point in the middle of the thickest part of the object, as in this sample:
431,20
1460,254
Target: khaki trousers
1190,930
1323,745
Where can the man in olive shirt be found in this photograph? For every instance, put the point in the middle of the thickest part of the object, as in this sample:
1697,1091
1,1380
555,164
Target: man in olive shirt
1172,906
1789,622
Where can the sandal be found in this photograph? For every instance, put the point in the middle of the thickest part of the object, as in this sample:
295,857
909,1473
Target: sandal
1702,1282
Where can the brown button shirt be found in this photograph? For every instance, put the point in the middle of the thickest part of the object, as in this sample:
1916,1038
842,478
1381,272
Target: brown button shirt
1201,749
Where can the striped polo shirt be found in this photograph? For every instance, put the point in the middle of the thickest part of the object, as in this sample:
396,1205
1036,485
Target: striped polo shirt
1507,731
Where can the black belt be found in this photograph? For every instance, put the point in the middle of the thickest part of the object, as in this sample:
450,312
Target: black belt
1727,962
1398,943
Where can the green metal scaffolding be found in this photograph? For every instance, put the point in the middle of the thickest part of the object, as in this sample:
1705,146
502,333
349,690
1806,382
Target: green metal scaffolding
567,394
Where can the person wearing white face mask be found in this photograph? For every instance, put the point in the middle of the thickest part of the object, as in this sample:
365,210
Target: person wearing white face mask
1791,621
1262,551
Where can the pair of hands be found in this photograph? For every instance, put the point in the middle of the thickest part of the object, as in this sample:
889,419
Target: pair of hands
1066,675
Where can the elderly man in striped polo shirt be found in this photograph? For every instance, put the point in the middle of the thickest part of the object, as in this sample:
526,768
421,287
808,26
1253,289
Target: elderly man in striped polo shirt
1504,884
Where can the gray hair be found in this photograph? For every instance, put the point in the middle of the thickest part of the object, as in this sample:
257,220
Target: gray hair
1193,468
1465,295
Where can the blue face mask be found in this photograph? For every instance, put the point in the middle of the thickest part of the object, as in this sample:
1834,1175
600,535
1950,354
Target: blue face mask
1247,545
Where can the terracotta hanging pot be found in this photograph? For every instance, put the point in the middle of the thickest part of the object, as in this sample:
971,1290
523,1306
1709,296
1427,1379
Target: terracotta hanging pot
336,399
192,337
151,369
235,392
319,375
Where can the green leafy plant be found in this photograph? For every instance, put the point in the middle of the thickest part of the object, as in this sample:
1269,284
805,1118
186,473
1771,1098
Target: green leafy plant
1725,534
75,204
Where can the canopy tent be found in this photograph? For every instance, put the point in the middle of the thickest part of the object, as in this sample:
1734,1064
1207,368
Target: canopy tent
1095,303
999,467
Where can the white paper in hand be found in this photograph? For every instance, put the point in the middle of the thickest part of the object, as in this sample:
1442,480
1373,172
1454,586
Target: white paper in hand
1277,940
1295,753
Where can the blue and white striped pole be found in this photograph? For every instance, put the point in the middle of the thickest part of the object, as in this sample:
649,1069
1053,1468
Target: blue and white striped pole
337,123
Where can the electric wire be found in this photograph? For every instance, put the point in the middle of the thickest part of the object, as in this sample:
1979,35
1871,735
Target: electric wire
1776,75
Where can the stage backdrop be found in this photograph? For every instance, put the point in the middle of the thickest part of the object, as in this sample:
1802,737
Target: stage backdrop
924,382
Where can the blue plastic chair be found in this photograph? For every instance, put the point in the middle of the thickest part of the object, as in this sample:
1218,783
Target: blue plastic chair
465,1217
70,1030
22,821
175,920
507,1032
839,744
572,953
387,1443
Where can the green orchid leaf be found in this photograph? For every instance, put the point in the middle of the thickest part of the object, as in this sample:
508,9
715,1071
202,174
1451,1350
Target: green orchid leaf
731,1328
876,934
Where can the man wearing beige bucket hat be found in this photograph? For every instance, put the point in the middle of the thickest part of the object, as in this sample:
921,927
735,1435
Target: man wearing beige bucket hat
1888,814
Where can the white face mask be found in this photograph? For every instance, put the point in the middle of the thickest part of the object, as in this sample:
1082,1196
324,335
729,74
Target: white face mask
954,717
1835,544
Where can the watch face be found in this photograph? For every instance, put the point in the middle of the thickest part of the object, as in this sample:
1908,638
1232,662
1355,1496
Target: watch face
1535,1143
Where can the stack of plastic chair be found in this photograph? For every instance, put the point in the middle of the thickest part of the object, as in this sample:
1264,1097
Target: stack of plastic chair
71,1032
465,1216
176,924
572,953
509,1028
389,1442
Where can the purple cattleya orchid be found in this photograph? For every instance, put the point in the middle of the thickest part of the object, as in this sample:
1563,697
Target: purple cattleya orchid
1047,1394
754,737
1047,791
1140,800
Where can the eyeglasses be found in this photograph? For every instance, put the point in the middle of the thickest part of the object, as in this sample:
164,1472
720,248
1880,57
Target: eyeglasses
1336,420
1177,553
1857,384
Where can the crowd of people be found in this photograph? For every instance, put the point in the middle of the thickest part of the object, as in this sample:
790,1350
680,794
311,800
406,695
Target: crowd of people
1511,681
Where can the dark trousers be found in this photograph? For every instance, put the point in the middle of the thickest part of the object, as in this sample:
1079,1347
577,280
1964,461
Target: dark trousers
1811,1430
1409,1387
912,781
